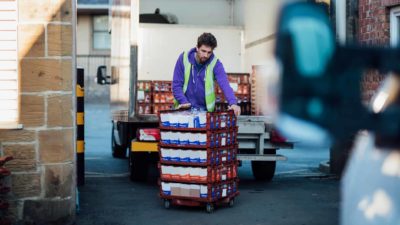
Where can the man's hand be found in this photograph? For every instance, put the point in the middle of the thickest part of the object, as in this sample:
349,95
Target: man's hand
184,106
235,108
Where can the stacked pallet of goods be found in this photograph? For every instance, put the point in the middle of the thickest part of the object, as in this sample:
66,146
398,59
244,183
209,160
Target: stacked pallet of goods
154,96
144,97
240,83
198,163
162,96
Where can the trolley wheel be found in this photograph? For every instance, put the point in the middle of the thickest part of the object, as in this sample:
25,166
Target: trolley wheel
167,203
209,208
231,202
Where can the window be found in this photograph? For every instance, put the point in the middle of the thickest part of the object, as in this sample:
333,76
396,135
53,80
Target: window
101,37
395,26
9,81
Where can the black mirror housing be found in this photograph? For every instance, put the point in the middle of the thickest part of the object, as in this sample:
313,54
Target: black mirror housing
101,76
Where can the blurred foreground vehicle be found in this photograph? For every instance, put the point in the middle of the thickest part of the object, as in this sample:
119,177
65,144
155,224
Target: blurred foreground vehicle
320,101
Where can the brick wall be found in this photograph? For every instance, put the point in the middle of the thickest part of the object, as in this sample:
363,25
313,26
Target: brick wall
374,23
390,2
374,30
43,171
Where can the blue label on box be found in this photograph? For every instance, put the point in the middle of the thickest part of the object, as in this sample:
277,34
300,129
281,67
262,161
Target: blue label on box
166,124
196,121
183,125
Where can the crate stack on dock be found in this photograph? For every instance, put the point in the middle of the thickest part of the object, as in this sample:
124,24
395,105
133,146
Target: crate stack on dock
144,97
162,96
241,86
198,163
153,96
4,190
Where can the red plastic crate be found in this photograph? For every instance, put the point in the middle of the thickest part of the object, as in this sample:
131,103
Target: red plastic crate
214,121
157,107
214,139
163,97
162,86
214,156
144,85
215,192
214,174
143,109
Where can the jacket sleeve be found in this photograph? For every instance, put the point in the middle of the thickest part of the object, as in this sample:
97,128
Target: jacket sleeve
178,81
222,80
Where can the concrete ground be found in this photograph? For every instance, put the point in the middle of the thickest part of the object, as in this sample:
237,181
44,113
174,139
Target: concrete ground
299,194
294,200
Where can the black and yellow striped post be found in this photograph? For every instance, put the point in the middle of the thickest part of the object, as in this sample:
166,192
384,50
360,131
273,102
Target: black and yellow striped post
80,133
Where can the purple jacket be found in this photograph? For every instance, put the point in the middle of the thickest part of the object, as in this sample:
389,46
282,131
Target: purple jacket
195,93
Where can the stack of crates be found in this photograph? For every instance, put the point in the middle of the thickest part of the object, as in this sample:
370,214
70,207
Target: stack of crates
162,96
241,86
198,162
144,97
153,96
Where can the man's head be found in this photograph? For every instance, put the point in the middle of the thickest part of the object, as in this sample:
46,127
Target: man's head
205,46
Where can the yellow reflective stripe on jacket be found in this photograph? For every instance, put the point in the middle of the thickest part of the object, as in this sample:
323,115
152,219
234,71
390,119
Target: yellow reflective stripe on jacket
209,86
187,66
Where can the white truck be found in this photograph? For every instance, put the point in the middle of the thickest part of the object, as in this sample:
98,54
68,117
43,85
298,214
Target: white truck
148,51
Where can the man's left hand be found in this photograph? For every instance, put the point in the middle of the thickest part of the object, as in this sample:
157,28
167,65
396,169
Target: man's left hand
235,108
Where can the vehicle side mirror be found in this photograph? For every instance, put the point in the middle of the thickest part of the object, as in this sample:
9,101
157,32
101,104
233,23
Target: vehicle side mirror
102,77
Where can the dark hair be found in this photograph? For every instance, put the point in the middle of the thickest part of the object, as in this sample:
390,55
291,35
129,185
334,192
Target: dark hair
207,39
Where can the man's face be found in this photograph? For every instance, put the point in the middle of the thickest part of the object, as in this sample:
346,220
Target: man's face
203,53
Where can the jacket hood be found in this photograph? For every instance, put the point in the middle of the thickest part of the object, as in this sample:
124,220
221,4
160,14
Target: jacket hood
192,55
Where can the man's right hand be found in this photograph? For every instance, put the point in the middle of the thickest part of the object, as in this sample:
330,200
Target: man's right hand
184,106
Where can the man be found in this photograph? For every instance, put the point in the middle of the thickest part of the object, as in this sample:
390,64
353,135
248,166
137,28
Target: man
194,75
